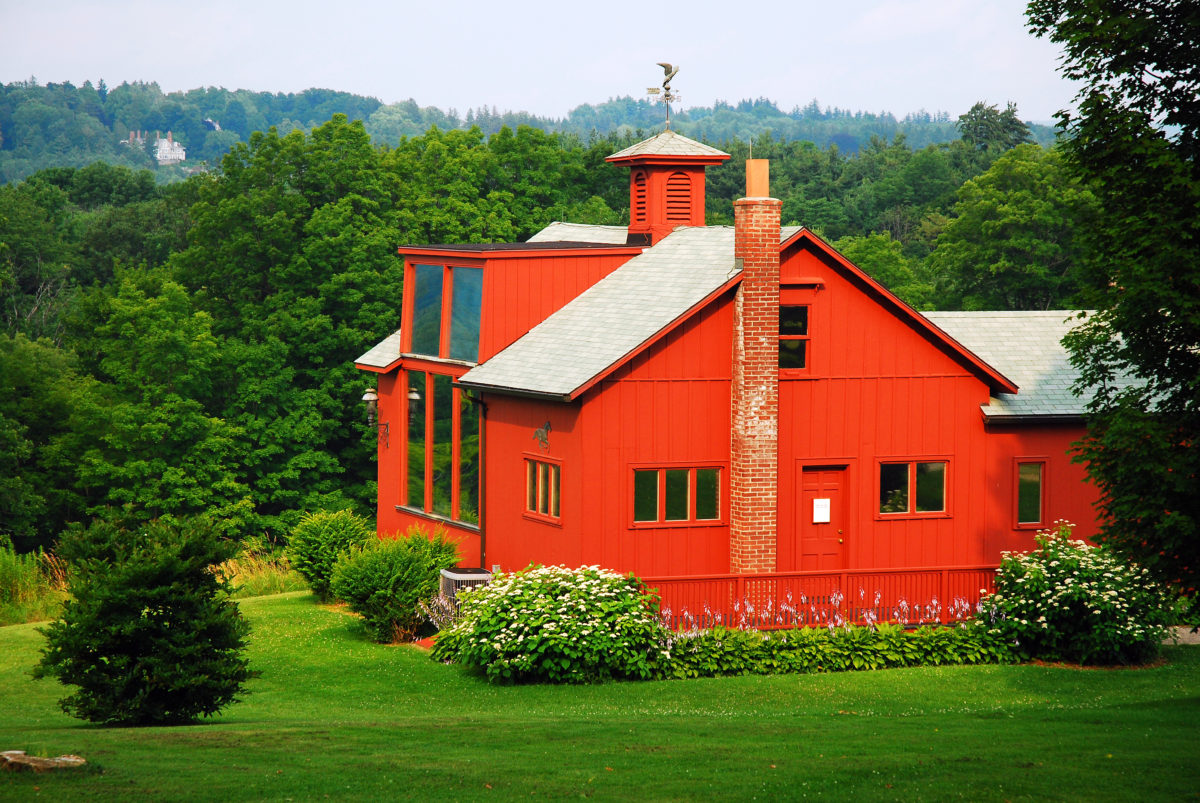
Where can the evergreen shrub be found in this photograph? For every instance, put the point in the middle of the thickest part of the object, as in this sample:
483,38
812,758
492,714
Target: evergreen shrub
150,635
320,538
550,623
1070,601
387,581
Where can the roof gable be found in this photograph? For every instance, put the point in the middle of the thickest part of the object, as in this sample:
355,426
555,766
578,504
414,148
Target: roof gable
802,237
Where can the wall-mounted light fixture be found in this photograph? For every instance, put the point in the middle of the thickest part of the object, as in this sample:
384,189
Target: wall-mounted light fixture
370,401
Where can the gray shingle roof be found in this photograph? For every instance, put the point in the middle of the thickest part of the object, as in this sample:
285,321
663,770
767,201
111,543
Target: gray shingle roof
668,143
614,317
1025,347
383,353
558,232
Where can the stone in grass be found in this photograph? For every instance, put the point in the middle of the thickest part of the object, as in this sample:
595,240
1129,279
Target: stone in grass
17,761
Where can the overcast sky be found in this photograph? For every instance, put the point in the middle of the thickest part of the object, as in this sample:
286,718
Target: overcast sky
548,57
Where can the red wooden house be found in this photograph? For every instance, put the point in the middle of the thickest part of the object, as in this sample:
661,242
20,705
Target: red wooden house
689,401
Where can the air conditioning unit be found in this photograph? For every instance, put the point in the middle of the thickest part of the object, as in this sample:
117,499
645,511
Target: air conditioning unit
453,580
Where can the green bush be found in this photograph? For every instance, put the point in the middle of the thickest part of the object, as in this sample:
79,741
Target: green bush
320,539
721,651
558,625
1069,601
150,635
387,581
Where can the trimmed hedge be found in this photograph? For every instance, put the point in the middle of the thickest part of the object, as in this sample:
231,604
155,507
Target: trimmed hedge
722,652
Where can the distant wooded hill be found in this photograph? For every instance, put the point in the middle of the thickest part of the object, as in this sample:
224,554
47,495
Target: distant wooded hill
62,125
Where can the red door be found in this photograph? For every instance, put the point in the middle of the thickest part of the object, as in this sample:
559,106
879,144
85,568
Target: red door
821,518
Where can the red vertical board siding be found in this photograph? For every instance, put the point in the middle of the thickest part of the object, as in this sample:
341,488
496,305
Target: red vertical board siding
669,405
389,452
880,389
1068,493
521,292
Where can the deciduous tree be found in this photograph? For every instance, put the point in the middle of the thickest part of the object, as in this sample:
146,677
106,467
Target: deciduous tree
1136,140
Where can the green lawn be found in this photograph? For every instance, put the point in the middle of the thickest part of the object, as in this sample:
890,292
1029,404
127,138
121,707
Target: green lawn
335,716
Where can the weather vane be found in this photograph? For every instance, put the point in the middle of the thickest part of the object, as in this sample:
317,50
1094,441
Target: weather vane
665,95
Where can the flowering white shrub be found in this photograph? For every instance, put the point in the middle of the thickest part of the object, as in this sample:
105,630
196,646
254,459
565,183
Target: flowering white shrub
1069,601
550,623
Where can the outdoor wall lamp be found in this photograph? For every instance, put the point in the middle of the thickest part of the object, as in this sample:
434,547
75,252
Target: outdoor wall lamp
370,401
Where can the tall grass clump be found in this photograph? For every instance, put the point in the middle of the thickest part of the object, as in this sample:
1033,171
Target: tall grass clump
1070,601
320,539
387,580
261,568
33,586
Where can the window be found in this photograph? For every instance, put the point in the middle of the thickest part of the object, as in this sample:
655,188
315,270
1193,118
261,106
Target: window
676,495
441,469
542,483
1030,502
464,313
912,487
793,337
446,311
427,309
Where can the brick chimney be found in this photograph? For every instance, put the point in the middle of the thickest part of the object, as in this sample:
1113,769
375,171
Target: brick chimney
754,480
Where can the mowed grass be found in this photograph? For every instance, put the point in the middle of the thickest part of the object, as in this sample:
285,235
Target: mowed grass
336,716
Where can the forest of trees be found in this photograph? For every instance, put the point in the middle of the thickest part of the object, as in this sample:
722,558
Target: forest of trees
61,125
186,348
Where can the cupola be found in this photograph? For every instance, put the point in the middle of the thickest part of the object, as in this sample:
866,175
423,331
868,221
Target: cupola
666,184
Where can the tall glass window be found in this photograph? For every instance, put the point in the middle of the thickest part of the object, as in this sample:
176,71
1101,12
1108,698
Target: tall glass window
443,444
468,460
427,309
416,439
464,317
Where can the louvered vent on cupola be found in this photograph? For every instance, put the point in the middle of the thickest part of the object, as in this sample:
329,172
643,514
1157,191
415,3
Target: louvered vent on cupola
639,196
679,198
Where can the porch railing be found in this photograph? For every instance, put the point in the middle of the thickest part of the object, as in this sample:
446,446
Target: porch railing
807,599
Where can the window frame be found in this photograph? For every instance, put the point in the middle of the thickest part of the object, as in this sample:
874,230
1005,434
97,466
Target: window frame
691,468
532,460
805,338
802,292
425,506
446,311
1043,502
912,512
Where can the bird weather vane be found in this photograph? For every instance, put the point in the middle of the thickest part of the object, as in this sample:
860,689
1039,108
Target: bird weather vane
665,95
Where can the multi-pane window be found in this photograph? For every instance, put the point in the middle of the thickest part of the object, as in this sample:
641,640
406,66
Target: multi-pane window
441,467
676,495
542,484
446,311
912,487
793,337
1030,500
